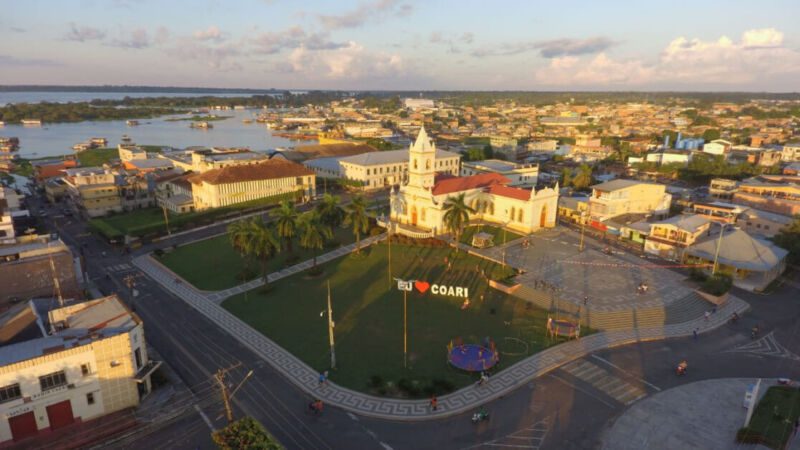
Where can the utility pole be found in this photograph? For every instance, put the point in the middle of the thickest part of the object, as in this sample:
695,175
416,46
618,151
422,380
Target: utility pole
219,377
330,328
583,229
719,244
405,329
166,218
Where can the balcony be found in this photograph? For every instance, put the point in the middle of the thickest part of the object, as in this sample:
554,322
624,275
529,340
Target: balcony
146,370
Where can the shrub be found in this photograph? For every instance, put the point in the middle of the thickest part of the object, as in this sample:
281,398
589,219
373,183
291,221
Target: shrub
375,381
698,275
409,387
374,231
158,252
717,284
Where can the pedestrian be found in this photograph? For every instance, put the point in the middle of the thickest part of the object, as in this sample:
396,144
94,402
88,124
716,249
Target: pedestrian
694,333
434,403
706,315
585,300
323,378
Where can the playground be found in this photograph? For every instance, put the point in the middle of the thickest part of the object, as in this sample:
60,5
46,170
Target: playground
494,330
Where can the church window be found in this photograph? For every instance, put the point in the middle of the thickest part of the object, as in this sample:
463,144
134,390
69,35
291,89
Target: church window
519,215
491,209
513,210
428,164
415,163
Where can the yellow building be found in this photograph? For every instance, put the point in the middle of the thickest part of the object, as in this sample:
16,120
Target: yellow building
93,191
669,238
241,183
90,360
617,197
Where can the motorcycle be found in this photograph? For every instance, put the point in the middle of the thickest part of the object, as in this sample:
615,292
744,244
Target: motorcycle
681,369
480,416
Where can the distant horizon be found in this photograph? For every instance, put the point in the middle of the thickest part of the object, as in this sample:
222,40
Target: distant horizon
170,88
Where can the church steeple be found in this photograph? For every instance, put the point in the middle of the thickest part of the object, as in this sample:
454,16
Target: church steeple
422,161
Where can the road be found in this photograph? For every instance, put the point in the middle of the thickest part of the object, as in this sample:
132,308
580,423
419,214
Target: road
567,408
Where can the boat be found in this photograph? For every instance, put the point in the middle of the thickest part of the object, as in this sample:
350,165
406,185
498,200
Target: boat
2,124
248,121
131,123
201,125
99,141
31,121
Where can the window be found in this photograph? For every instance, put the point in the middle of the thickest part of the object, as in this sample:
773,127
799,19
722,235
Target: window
9,393
53,380
85,369
298,180
90,398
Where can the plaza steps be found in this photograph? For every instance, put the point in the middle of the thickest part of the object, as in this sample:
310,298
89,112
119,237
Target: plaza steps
682,310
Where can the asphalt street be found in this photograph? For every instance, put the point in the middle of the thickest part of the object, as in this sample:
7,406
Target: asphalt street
562,409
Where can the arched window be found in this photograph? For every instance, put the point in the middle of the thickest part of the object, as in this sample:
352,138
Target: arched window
513,210
415,163
427,164
519,215
491,209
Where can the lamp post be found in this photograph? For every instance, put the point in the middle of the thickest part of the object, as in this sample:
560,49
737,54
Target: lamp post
330,328
583,228
405,329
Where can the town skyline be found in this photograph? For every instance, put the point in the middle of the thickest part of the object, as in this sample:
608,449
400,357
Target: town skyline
396,45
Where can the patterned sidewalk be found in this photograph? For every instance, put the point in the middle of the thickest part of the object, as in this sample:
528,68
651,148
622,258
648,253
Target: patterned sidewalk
463,400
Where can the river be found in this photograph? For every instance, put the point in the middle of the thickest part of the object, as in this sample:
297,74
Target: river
53,139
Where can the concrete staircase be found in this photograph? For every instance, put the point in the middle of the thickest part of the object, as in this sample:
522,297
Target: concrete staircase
683,310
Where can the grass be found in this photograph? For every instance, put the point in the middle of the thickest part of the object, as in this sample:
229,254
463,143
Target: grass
97,156
466,237
194,264
773,419
368,313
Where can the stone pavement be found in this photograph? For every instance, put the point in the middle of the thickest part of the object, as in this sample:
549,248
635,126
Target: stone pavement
704,415
463,400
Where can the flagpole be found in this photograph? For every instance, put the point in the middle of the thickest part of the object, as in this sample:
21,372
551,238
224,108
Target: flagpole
330,328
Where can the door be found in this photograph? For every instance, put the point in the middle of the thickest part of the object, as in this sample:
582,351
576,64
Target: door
543,217
23,425
60,414
414,215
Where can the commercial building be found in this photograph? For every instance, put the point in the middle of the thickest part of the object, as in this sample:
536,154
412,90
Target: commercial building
89,359
722,188
174,192
717,147
418,103
522,175
791,152
573,209
93,191
418,206
377,170
752,263
773,193
762,223
241,183
670,237
718,211
618,197
201,160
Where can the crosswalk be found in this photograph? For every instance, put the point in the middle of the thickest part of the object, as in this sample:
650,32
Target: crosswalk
612,385
531,437
121,268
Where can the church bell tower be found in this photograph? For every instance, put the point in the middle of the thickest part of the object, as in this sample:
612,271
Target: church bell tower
422,161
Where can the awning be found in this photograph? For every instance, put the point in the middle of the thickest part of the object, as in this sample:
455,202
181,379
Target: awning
146,370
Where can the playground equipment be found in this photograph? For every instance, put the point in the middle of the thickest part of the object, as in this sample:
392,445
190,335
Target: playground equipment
472,357
564,328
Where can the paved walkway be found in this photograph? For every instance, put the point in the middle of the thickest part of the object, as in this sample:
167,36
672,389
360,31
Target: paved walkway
704,415
463,400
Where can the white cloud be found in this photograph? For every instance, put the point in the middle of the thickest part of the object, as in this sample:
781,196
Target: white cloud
374,11
84,33
219,57
758,57
352,61
212,33
272,42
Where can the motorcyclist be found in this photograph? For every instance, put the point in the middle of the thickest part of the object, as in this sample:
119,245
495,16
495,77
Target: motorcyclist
682,366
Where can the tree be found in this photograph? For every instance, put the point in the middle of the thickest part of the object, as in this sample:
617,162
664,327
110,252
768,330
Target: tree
789,238
286,222
456,215
355,215
265,245
711,134
241,237
583,178
245,433
313,233
566,176
330,212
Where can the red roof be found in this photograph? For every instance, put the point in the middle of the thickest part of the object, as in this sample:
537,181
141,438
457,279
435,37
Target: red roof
510,192
447,185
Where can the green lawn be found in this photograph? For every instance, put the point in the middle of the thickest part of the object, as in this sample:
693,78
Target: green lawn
497,232
368,312
773,418
212,264
97,156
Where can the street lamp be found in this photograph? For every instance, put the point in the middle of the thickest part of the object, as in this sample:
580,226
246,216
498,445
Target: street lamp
330,327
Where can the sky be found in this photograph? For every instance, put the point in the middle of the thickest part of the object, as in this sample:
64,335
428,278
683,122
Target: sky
700,45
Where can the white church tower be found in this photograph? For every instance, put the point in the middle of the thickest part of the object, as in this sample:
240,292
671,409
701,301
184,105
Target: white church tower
422,162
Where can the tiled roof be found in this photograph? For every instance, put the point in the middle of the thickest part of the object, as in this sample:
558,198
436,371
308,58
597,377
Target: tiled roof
273,168
327,150
447,185
510,192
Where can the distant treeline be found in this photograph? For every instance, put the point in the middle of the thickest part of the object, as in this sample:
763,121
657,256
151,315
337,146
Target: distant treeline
76,112
125,88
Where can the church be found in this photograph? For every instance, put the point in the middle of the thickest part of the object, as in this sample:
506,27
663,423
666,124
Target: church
417,208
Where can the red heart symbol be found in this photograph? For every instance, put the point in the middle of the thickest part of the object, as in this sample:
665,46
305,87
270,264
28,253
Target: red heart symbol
422,286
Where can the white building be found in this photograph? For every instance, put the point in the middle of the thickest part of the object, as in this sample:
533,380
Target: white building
384,169
418,206
791,152
717,147
670,157
90,360
519,174
418,103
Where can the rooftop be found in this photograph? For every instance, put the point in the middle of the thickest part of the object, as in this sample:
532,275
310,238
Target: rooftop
390,157
450,184
498,165
510,192
740,250
614,185
270,169
685,222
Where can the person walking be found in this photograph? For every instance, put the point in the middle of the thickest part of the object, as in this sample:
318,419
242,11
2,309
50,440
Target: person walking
434,403
694,333
323,378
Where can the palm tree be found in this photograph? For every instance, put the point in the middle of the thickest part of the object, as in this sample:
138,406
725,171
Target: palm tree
355,214
265,245
286,222
456,215
313,233
241,237
329,210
